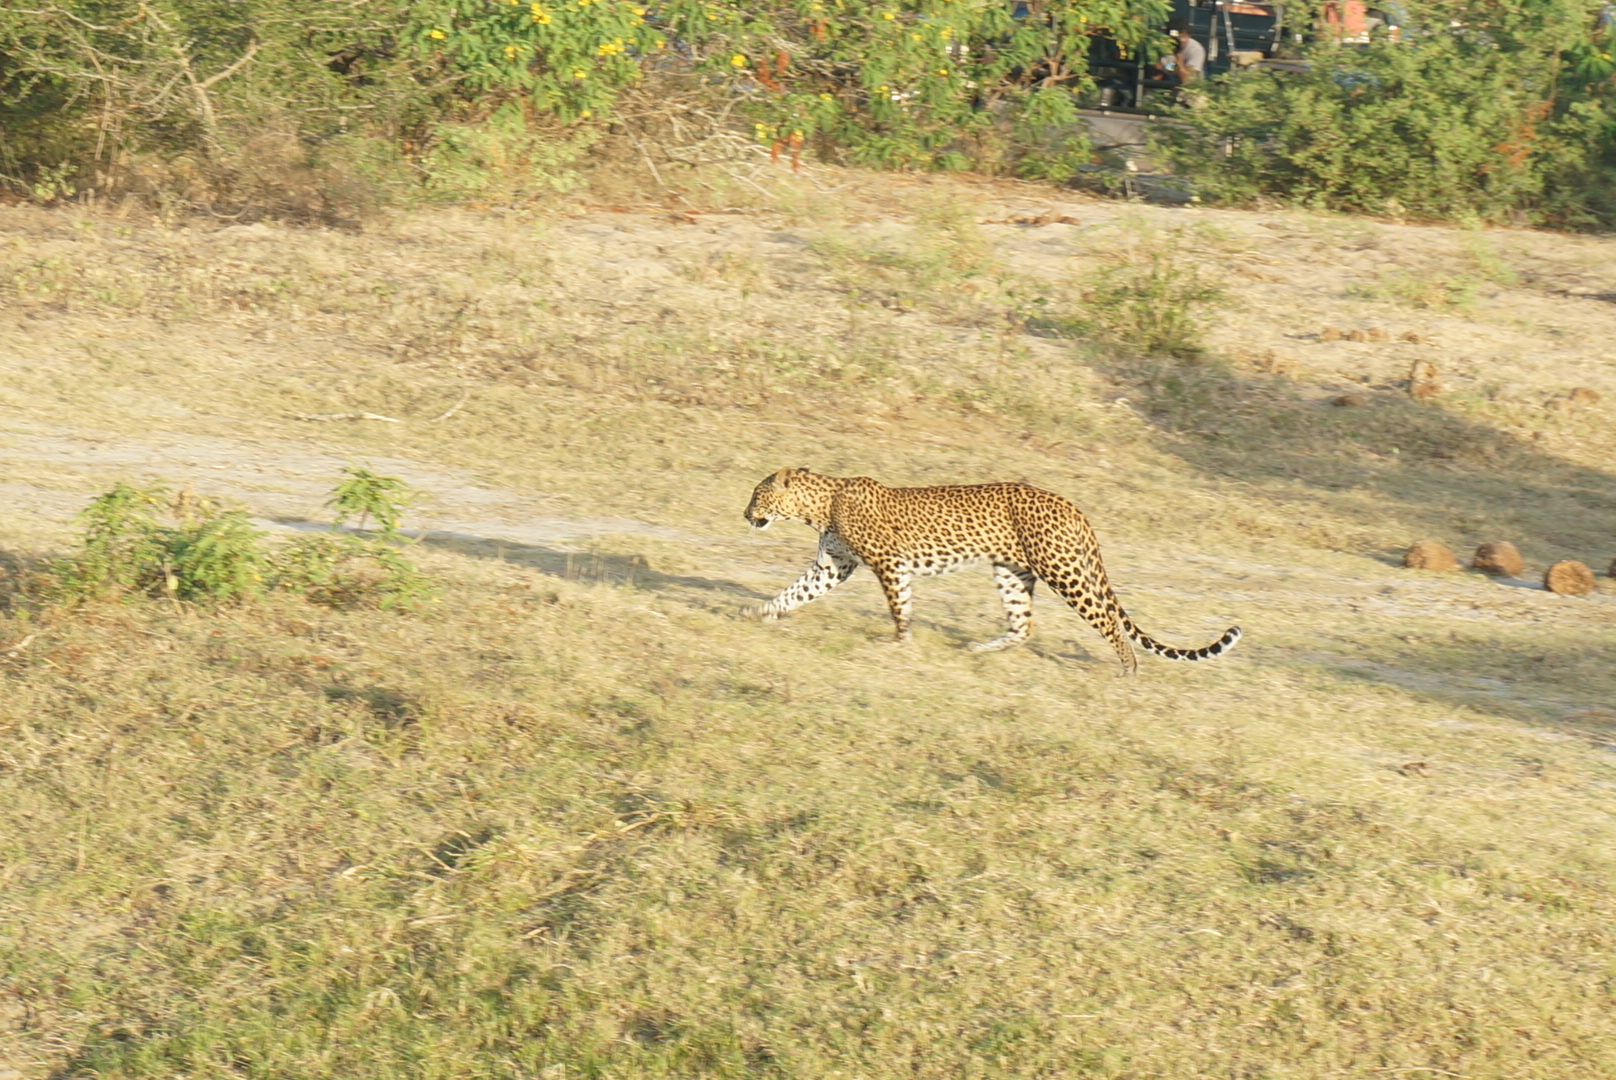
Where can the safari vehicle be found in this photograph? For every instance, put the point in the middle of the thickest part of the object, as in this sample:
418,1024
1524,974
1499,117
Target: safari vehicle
1235,33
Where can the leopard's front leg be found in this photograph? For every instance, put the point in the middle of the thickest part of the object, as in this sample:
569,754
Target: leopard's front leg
833,564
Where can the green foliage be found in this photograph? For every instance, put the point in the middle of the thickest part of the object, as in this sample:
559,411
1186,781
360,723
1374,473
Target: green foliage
207,552
917,83
139,543
90,89
1148,299
567,58
347,572
1499,110
89,86
365,495
1479,117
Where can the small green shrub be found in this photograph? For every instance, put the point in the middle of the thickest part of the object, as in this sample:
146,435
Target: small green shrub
366,495
1147,300
339,571
345,571
140,542
205,552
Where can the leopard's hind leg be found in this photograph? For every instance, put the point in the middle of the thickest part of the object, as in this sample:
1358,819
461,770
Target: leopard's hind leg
1069,563
1015,592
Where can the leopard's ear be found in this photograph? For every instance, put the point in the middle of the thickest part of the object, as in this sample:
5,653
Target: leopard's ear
783,477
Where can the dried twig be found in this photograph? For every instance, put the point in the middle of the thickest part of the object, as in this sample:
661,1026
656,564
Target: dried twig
347,416
465,395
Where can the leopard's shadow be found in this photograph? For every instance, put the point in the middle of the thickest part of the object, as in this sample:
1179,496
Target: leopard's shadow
630,571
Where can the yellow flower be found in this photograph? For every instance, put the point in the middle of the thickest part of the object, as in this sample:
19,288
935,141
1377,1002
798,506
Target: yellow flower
737,61
439,34
639,12
826,97
942,71
888,15
510,52
542,18
579,73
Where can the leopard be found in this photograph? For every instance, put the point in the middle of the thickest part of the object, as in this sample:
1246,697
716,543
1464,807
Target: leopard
1025,533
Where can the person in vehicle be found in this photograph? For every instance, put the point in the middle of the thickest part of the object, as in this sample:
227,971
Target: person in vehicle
1187,63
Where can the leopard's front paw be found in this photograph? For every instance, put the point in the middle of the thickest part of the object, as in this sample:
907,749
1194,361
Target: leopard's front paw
758,613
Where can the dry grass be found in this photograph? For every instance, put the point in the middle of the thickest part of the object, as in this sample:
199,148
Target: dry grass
577,821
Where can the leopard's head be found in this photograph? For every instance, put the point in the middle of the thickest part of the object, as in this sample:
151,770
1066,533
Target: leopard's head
790,494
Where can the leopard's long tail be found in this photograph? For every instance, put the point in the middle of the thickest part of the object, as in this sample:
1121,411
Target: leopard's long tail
1167,652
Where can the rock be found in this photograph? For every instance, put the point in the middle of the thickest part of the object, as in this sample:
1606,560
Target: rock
1422,382
1356,335
1348,400
1583,396
1499,558
1569,578
1430,555
1329,333
1377,333
1414,337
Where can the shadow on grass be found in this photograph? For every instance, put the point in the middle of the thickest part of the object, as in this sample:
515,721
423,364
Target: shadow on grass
1564,686
1459,479
17,579
629,571
1446,475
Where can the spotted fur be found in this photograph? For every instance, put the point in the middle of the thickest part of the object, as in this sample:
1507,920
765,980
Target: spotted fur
901,533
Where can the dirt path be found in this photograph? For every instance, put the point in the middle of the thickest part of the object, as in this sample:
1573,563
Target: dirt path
284,484
174,355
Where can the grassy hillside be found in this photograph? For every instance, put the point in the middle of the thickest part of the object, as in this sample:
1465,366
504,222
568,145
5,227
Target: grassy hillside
575,819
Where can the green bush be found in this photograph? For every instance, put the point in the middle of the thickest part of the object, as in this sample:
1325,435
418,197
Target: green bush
1503,111
207,552
139,542
339,571
1146,299
365,495
229,107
